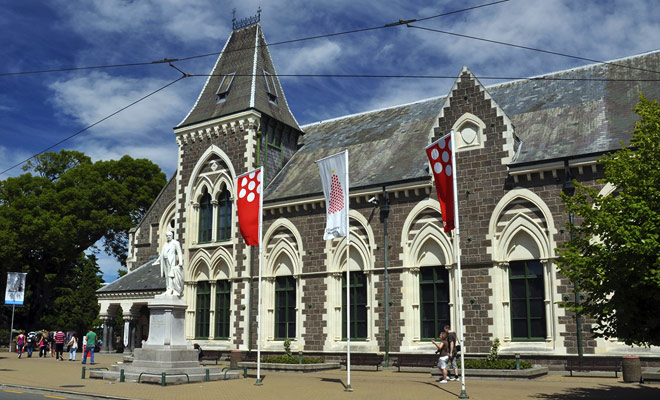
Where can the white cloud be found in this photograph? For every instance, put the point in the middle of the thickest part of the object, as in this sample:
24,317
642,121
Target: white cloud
312,58
141,131
92,97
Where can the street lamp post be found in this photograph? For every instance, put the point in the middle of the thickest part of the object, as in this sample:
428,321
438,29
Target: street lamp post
569,190
384,213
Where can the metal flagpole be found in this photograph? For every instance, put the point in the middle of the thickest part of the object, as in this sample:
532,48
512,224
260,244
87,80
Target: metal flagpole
11,330
348,285
261,213
457,251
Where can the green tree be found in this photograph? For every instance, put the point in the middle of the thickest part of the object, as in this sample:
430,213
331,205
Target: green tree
48,219
615,254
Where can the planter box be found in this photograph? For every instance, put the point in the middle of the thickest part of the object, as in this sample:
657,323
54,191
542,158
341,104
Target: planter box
509,374
291,367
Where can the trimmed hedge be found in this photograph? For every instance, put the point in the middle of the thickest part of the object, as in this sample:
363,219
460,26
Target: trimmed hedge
291,360
495,364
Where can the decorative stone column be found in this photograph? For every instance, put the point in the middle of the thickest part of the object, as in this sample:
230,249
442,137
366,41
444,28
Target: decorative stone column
111,332
105,320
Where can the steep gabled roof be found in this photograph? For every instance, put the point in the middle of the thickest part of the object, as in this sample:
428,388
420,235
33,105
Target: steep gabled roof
246,56
564,118
559,118
384,146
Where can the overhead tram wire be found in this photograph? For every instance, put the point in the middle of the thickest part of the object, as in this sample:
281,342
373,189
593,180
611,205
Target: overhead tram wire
399,23
556,53
167,60
375,76
94,124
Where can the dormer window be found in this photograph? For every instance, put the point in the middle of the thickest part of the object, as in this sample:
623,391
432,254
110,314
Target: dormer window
271,88
225,85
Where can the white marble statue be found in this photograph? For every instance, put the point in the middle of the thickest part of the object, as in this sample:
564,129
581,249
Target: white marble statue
171,265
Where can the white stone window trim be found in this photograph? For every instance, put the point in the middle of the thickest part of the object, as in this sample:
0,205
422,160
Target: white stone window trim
273,269
414,258
507,246
464,121
336,266
211,268
214,189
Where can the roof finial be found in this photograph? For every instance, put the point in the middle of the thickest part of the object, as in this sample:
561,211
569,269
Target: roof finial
233,17
245,21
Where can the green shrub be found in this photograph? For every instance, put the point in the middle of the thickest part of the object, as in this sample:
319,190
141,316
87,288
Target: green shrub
494,350
287,347
496,364
291,360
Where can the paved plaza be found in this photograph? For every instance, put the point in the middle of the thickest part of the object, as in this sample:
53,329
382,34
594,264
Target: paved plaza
64,377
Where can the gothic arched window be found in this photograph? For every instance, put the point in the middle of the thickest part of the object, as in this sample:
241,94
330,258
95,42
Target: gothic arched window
224,215
205,218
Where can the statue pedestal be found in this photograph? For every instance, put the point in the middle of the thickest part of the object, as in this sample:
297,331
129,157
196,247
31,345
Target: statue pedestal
167,322
166,350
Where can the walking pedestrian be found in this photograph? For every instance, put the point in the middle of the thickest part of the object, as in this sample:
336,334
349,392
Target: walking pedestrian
89,348
43,345
443,349
453,352
51,343
20,343
73,346
31,342
59,338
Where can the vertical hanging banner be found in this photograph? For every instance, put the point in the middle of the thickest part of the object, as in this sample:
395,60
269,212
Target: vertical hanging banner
333,171
440,156
15,290
249,188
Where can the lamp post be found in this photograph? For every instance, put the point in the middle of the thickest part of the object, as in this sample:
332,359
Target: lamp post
569,190
384,208
384,213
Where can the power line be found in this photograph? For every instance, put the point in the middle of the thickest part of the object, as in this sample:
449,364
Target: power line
167,60
507,78
531,48
400,22
92,125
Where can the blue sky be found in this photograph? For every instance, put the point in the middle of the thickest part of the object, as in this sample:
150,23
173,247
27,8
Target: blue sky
39,110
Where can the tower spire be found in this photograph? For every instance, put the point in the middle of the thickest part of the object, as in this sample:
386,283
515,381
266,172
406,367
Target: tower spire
245,21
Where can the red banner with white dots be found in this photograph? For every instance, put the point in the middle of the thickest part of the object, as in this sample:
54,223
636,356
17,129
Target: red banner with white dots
248,204
440,156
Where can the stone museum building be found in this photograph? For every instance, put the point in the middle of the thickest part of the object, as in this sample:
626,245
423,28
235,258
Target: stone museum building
518,143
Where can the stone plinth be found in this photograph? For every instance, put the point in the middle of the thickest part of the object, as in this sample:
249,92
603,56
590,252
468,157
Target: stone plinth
167,322
166,351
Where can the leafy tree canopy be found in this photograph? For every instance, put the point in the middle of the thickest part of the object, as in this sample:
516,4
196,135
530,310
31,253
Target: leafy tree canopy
59,208
615,254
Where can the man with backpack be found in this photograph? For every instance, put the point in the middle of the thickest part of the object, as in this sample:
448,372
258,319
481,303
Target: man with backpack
453,352
31,342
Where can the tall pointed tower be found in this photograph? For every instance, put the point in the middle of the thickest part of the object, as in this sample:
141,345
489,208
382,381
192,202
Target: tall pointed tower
240,121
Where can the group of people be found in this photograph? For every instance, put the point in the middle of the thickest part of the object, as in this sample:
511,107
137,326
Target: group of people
54,343
448,350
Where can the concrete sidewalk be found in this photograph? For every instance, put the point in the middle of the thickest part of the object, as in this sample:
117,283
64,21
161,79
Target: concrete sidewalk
65,377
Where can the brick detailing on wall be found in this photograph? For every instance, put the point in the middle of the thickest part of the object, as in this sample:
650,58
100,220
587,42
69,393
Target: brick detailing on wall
315,323
477,309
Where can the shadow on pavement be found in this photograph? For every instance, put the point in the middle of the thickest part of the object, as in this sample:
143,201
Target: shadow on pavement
439,386
634,391
334,381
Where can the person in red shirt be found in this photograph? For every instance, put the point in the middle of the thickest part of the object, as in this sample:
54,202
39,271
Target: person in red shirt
59,344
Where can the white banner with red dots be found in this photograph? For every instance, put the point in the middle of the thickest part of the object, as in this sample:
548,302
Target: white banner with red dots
334,177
